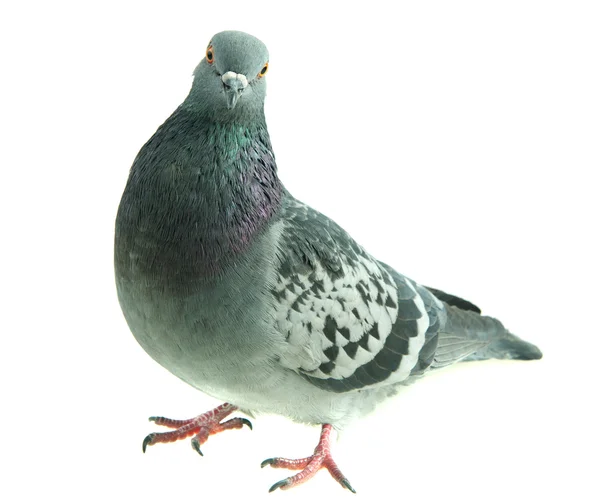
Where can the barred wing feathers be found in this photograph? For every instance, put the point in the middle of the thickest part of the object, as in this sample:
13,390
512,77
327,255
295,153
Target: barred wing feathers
350,321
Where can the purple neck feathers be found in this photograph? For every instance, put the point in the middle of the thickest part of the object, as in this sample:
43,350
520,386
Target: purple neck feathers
198,194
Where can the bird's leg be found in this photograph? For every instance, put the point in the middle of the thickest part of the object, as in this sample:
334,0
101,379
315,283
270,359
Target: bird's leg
201,427
309,466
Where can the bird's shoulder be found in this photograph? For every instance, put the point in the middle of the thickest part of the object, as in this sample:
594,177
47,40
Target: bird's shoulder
349,321
308,237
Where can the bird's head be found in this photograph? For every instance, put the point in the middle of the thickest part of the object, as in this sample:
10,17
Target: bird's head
230,78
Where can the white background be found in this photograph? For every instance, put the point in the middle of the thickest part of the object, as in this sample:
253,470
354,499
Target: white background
458,141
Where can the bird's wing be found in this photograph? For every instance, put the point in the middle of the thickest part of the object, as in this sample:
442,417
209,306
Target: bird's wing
350,321
453,300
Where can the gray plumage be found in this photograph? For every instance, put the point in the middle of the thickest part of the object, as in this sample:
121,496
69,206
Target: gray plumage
255,298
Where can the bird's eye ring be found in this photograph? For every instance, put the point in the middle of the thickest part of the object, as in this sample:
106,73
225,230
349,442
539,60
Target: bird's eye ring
264,70
210,55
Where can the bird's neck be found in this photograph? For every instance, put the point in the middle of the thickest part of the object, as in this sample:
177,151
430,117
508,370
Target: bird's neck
201,192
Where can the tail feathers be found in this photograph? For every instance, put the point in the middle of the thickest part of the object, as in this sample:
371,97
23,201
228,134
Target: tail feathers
469,336
507,347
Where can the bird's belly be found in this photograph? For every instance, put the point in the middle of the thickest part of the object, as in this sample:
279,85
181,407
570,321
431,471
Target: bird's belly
210,337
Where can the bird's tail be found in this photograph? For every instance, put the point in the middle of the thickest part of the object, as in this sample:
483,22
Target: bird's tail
507,347
470,336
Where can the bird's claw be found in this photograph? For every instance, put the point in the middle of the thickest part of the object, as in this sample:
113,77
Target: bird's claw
267,462
347,485
309,466
196,446
147,441
246,422
281,484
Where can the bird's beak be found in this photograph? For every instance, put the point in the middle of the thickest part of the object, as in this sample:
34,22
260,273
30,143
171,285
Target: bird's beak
234,84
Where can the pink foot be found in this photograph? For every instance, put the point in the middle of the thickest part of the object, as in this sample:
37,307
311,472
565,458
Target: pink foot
309,466
201,427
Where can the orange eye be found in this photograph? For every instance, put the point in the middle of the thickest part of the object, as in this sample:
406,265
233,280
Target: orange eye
210,56
263,72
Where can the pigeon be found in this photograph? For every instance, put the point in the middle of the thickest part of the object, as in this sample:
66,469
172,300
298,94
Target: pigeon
255,298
